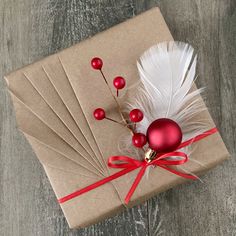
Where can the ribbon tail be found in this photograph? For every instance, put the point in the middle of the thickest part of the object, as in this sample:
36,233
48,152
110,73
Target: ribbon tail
135,184
181,174
96,184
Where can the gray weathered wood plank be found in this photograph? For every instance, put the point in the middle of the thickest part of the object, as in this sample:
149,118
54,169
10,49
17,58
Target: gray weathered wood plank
30,30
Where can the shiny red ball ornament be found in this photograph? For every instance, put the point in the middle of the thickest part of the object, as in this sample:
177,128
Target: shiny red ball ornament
119,82
164,135
139,140
136,115
97,63
99,114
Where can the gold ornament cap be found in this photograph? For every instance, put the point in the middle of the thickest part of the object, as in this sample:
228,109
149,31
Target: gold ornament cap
150,155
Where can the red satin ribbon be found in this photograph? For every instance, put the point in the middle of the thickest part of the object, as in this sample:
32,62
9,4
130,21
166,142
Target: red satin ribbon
128,164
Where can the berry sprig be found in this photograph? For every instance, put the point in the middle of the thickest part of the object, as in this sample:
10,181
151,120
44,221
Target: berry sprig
136,115
119,82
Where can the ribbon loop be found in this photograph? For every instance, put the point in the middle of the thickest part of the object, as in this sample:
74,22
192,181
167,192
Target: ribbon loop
123,162
162,159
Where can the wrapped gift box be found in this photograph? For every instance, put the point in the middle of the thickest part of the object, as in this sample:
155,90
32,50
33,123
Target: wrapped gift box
54,99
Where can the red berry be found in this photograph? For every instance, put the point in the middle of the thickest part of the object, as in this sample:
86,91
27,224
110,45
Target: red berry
139,140
119,82
136,115
96,63
99,114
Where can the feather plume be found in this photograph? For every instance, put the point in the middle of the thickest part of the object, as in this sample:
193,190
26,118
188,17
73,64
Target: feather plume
167,74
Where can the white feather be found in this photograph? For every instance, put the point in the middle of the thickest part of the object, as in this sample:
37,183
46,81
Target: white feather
167,74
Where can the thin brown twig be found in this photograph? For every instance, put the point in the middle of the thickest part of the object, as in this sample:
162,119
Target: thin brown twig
119,109
124,125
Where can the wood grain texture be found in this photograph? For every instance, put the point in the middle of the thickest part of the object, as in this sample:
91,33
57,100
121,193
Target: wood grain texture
30,30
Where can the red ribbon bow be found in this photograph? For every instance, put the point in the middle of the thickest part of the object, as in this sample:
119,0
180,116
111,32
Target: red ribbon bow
128,164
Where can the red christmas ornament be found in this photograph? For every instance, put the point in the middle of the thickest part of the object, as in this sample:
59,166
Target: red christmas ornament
164,135
139,140
99,114
97,63
119,82
136,115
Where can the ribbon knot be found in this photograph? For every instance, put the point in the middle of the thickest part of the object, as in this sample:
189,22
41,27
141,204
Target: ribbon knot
162,160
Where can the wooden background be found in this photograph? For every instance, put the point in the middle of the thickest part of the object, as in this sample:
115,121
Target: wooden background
33,29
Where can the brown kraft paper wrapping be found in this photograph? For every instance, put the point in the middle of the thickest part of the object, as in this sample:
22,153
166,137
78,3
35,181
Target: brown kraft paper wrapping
54,100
